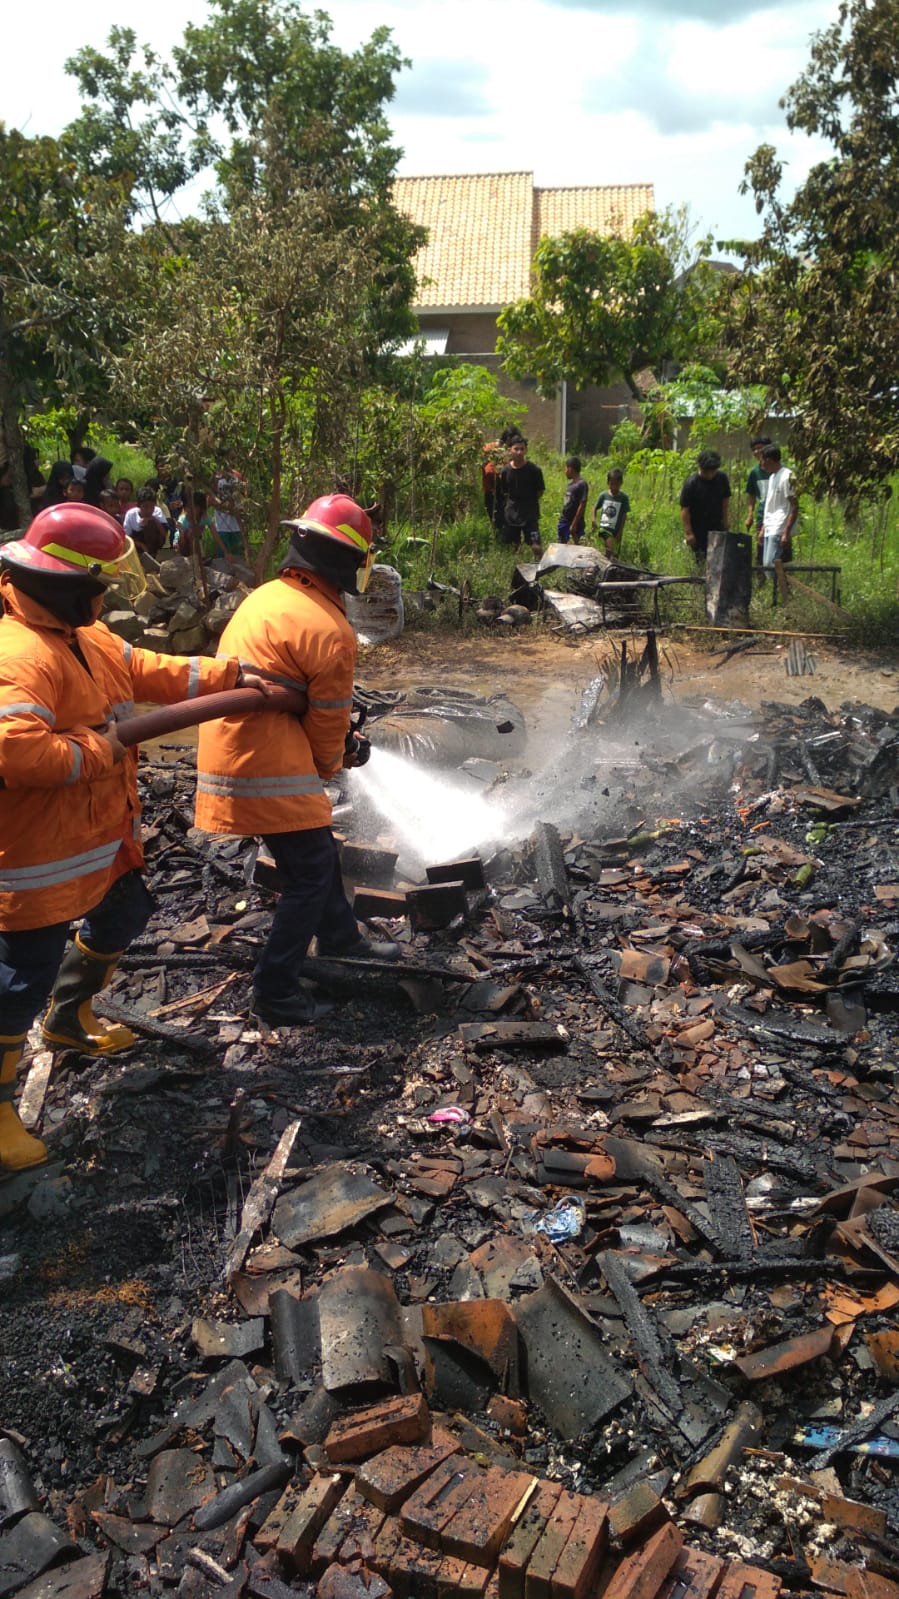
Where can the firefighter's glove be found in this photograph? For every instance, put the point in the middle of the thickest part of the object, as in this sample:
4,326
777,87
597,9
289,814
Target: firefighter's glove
356,750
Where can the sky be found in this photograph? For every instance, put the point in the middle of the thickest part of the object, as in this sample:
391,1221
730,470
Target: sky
677,93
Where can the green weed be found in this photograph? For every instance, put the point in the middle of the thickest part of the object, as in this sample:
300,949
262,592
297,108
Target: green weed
866,550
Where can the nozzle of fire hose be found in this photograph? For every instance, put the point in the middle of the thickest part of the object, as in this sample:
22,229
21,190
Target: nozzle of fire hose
357,748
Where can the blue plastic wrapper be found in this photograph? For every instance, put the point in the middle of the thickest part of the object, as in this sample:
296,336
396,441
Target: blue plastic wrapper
826,1437
564,1222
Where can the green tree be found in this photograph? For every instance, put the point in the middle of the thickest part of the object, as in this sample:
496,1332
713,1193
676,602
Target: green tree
62,290
131,132
259,94
814,315
254,340
697,398
418,446
605,307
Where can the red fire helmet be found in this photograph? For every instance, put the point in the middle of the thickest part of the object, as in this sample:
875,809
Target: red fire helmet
76,540
338,517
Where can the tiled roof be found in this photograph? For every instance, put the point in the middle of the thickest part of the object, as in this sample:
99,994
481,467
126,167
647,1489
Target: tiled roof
484,228
610,209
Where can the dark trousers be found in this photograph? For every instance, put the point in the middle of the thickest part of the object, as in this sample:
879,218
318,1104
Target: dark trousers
30,960
312,903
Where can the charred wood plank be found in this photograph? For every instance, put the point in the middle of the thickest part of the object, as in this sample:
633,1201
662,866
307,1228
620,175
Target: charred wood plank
768,1155
195,1042
633,1164
804,1035
842,949
710,1274
140,956
260,1201
549,864
724,1190
615,1012
654,1358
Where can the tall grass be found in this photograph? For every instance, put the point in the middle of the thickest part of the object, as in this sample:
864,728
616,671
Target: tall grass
866,550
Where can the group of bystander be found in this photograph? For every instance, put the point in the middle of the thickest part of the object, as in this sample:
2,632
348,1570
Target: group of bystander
773,503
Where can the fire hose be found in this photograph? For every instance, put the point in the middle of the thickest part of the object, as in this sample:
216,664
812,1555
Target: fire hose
190,713
233,702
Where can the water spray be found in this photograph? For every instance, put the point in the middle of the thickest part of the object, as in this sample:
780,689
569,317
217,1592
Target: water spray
432,814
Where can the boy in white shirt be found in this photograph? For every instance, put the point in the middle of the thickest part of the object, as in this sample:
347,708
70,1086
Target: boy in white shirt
781,508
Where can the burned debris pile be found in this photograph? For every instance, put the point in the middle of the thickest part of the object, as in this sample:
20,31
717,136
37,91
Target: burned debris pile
563,1262
593,591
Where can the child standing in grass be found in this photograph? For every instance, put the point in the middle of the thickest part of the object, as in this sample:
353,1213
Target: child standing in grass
571,520
611,508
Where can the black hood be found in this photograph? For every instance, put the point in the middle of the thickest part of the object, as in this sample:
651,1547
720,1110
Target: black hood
313,552
69,599
94,478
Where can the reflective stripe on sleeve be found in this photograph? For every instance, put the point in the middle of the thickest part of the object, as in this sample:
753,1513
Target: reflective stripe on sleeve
15,879
123,709
193,678
258,787
127,650
22,707
77,759
331,705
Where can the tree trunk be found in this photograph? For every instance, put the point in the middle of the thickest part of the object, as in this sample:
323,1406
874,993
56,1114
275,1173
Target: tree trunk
9,419
273,519
76,432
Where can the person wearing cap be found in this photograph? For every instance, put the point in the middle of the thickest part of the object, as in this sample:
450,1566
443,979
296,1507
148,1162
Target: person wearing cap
268,780
69,809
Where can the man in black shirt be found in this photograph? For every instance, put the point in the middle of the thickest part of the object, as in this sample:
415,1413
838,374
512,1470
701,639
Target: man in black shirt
705,503
521,486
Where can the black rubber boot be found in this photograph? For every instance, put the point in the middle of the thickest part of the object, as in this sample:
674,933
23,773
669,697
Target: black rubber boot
18,1149
290,1010
364,949
70,1022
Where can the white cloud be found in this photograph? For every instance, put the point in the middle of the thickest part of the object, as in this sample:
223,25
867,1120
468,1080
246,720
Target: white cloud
577,91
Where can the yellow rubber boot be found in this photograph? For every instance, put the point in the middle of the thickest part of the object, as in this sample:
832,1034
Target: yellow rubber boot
18,1150
70,1022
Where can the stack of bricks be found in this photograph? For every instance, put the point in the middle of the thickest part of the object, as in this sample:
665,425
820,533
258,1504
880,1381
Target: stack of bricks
421,1520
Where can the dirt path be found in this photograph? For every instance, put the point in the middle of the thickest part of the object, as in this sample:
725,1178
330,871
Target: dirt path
546,674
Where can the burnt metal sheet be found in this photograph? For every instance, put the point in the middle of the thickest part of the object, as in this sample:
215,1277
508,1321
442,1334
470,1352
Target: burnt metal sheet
295,1335
80,1579
178,1481
17,1491
133,1537
573,558
569,1374
227,1339
29,1547
234,1419
196,1412
359,1314
328,1204
574,610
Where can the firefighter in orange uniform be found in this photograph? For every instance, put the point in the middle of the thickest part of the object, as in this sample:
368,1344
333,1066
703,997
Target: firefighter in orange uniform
268,779
69,811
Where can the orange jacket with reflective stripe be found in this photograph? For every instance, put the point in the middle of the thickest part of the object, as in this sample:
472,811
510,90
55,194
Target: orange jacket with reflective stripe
264,773
68,816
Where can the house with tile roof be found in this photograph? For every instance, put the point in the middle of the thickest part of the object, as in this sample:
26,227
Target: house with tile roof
483,230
